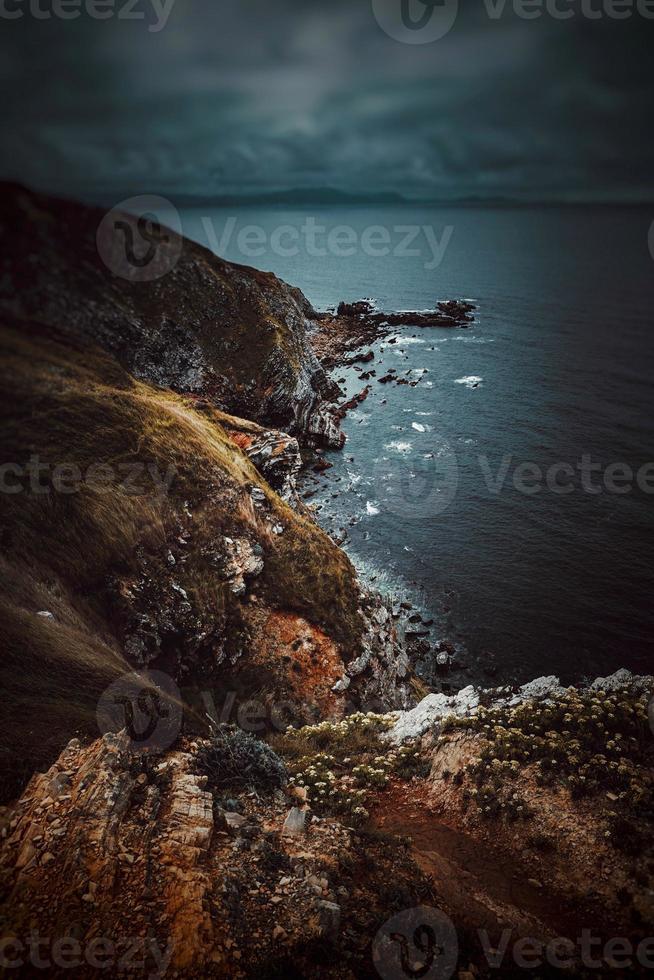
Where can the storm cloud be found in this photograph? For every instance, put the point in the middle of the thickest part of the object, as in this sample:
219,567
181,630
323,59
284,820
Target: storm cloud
249,97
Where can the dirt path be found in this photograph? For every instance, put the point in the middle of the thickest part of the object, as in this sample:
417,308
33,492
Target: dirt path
483,887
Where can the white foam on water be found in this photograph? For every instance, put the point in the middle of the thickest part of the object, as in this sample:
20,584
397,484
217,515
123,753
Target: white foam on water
400,339
418,427
400,447
470,381
371,508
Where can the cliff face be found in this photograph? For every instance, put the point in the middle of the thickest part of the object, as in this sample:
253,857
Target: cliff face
137,532
207,327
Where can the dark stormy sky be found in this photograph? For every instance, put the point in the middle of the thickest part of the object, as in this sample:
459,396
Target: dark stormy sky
245,97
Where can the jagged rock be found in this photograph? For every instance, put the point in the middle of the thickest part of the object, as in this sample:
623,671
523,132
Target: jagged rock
275,454
240,563
622,678
320,423
380,673
541,687
86,848
295,822
435,707
342,685
234,820
258,496
432,709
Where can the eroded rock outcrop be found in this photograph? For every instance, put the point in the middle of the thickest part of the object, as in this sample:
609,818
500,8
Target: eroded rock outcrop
428,714
275,454
109,853
338,338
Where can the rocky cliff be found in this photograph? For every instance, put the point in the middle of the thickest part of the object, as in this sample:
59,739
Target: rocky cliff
206,327
139,533
161,578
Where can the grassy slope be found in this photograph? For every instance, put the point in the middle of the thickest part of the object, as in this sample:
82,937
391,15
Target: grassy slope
97,558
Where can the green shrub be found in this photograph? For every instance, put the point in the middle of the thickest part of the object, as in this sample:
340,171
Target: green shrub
234,758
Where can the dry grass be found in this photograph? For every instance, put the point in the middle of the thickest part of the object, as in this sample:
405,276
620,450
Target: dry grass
72,554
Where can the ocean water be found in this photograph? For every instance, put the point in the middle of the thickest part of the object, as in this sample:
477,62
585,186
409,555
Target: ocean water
438,487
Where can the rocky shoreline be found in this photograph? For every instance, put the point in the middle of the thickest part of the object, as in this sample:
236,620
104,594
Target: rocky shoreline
338,335
343,339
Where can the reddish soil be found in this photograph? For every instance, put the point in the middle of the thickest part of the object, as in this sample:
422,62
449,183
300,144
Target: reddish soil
482,886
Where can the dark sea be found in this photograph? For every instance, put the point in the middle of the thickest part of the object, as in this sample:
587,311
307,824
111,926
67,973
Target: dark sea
446,490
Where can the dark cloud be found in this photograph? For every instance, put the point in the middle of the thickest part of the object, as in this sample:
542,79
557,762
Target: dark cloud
249,96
